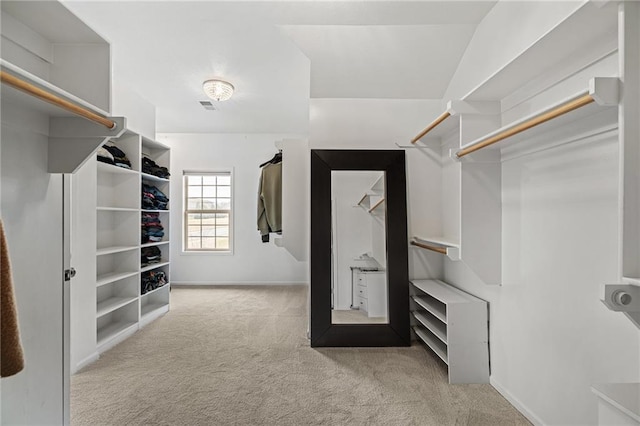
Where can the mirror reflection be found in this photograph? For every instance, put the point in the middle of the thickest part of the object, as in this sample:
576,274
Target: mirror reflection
358,240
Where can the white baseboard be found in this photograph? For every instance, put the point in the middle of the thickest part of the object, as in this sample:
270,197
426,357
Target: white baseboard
87,361
228,283
516,403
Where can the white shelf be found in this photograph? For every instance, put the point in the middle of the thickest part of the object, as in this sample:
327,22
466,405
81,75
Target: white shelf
116,209
115,249
441,241
149,143
630,280
148,177
442,291
430,340
436,309
112,304
623,396
112,277
151,308
157,290
452,248
113,330
110,168
438,328
455,327
159,243
153,266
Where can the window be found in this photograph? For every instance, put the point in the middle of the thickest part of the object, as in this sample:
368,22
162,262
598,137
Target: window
207,212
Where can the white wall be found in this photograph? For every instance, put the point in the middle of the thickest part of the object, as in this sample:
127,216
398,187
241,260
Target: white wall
252,261
32,216
500,38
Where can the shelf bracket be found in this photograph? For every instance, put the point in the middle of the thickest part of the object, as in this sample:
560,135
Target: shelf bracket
73,140
623,298
605,90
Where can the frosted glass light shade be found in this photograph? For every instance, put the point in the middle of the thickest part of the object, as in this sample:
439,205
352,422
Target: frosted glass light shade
218,89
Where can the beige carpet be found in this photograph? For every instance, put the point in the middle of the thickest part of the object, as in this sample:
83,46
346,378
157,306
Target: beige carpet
239,356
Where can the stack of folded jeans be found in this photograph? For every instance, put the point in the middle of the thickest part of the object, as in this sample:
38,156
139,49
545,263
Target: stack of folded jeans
153,198
152,229
152,280
111,154
150,255
149,166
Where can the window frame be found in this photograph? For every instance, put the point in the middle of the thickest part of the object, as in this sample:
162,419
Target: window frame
186,212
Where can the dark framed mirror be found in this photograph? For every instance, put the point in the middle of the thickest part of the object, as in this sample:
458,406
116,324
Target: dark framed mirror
391,328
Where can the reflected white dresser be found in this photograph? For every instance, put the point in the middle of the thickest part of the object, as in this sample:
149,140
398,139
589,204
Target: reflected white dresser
369,291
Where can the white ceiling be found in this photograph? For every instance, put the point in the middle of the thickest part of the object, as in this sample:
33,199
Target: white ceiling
278,54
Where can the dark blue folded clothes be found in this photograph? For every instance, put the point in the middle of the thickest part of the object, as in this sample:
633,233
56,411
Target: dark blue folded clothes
149,255
119,157
153,198
149,166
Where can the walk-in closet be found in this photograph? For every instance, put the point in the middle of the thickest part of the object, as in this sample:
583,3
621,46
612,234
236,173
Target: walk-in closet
320,212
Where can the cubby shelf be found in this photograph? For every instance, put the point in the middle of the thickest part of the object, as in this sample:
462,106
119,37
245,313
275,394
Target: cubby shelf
430,340
116,209
115,249
113,277
120,308
434,325
150,309
152,178
153,266
156,290
114,329
109,168
436,308
454,324
113,303
159,243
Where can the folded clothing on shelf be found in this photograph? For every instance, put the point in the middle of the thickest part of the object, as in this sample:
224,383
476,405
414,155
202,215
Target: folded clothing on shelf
117,157
151,280
105,156
151,228
153,198
149,166
150,255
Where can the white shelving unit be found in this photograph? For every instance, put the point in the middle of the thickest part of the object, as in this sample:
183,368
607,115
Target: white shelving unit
121,308
454,325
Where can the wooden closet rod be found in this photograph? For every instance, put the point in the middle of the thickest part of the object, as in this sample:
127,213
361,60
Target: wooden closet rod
430,127
39,93
549,115
441,250
376,205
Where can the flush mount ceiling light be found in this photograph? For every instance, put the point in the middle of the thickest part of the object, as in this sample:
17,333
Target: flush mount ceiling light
218,89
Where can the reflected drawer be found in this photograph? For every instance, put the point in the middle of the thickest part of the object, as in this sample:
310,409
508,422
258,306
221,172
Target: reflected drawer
362,304
361,292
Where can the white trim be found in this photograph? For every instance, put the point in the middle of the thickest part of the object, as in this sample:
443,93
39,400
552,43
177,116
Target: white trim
232,237
228,283
516,402
85,362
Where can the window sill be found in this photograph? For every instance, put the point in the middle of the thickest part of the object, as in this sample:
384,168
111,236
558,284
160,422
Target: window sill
206,253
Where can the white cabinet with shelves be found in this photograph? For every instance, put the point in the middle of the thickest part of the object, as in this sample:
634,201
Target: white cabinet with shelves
121,306
453,324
